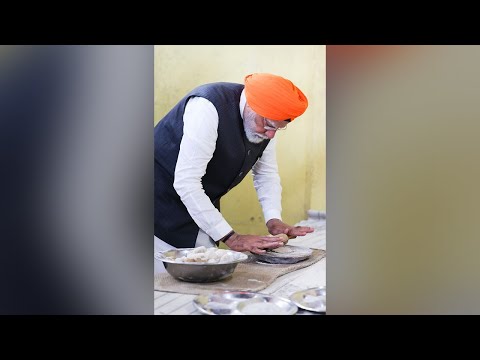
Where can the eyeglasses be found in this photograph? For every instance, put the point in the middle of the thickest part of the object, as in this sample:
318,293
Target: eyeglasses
268,125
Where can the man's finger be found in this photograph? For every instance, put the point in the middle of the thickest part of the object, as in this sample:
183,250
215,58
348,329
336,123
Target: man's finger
298,230
271,238
272,245
256,250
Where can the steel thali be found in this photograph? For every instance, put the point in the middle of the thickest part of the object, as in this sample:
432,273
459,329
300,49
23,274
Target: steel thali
313,299
243,303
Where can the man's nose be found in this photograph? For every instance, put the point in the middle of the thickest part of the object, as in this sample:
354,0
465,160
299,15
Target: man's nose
270,134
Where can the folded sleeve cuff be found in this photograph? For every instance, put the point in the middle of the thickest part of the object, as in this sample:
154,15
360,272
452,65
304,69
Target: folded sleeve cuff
219,231
272,214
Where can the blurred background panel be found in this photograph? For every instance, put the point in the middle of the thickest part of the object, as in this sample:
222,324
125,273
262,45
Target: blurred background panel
300,150
76,209
403,177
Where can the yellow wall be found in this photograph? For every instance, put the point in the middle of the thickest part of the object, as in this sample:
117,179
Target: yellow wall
300,149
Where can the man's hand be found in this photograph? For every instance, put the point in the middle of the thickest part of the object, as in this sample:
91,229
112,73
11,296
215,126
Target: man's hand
253,243
276,226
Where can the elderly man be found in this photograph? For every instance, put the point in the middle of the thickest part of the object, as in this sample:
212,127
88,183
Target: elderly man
206,145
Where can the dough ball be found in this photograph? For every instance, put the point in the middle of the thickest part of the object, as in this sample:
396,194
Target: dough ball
226,258
283,236
200,249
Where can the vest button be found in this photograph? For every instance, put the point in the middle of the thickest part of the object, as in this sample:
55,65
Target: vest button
241,173
248,153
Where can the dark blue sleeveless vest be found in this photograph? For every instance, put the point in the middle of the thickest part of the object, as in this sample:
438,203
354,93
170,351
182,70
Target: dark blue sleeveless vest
233,158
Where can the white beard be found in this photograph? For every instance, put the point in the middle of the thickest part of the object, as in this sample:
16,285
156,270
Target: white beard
249,126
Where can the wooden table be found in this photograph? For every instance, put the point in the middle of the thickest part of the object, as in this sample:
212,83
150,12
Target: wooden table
168,303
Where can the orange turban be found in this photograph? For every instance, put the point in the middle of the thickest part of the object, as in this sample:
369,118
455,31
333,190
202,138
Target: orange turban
274,97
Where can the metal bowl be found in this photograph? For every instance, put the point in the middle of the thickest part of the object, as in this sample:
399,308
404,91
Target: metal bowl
198,272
